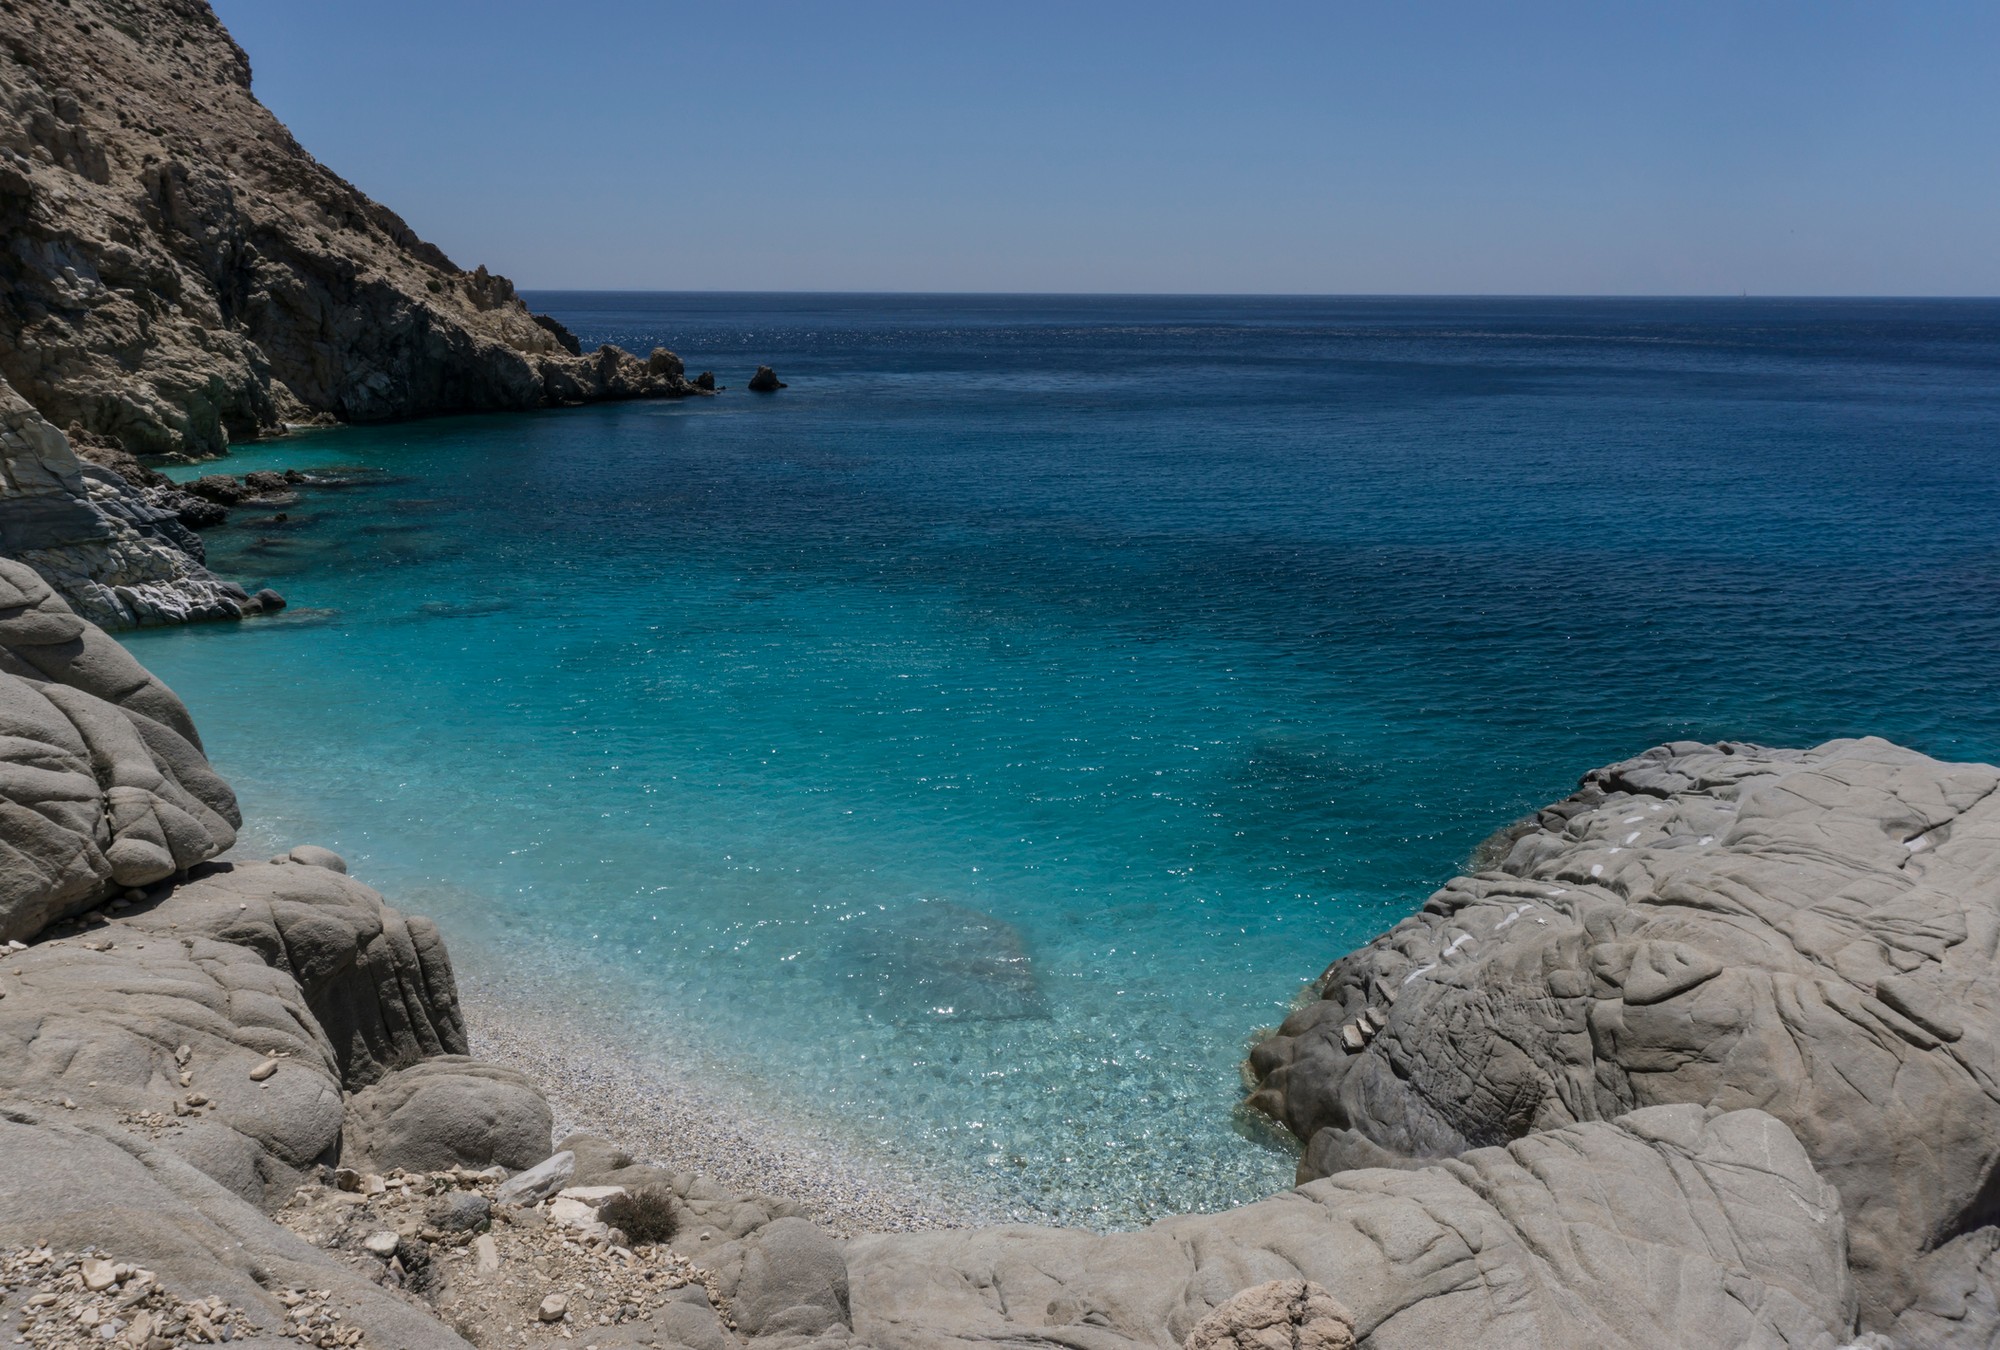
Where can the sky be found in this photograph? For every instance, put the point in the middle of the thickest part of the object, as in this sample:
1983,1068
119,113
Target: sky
1420,147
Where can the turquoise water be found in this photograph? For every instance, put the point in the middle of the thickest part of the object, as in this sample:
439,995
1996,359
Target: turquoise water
971,746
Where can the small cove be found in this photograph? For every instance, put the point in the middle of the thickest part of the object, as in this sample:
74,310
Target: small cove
969,748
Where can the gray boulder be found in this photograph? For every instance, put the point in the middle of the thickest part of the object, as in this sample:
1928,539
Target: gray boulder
378,983
792,1282
104,1027
103,785
1807,932
539,1182
446,1112
1672,1226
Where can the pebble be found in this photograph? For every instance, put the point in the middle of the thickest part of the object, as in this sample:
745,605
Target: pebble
99,1274
555,1307
264,1070
383,1244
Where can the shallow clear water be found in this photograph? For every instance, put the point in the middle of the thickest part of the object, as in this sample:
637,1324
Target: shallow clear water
972,745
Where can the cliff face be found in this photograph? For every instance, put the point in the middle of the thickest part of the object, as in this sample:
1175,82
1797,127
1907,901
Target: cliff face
179,272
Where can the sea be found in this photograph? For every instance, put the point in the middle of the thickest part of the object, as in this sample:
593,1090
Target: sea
970,749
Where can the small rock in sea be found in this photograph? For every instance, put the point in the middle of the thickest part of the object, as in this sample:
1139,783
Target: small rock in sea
555,1307
382,1244
765,381
705,380
264,1070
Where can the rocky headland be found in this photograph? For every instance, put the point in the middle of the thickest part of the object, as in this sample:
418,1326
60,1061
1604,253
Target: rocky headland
180,274
1703,1060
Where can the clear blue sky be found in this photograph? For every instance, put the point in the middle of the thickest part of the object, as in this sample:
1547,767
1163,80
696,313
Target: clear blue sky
1659,148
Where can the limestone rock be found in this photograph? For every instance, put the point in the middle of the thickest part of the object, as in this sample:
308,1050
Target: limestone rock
189,275
445,1112
539,1182
1808,932
765,381
1671,1226
1277,1315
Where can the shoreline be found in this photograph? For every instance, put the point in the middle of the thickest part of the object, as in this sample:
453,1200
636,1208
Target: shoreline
669,1118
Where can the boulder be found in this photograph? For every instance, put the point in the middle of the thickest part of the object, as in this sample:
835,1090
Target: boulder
447,1112
792,1282
1807,932
114,1026
378,983
539,1182
1671,1226
103,785
765,381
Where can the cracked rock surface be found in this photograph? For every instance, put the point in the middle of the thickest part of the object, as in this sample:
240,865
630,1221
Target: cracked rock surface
1672,1226
1810,933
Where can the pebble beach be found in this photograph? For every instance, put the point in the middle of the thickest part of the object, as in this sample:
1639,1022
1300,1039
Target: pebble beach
669,1118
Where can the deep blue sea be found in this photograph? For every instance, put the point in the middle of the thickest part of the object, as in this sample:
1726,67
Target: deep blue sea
970,747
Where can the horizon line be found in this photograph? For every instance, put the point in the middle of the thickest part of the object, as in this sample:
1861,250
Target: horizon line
1261,295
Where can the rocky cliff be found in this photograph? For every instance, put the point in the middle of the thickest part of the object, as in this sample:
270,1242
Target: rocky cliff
178,272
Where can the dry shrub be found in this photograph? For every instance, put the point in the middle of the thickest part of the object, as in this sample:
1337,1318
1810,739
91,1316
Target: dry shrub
646,1215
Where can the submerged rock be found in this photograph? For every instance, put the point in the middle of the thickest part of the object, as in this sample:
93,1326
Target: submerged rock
926,959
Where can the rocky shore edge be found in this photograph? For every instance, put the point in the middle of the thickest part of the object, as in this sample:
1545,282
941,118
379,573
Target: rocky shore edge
182,275
1625,1088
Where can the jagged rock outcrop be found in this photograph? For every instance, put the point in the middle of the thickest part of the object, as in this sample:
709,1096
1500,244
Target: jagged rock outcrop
120,555
1670,1226
1809,932
180,272
177,273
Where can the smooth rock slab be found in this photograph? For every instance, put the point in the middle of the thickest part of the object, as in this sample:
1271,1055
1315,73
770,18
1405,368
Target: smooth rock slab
103,785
